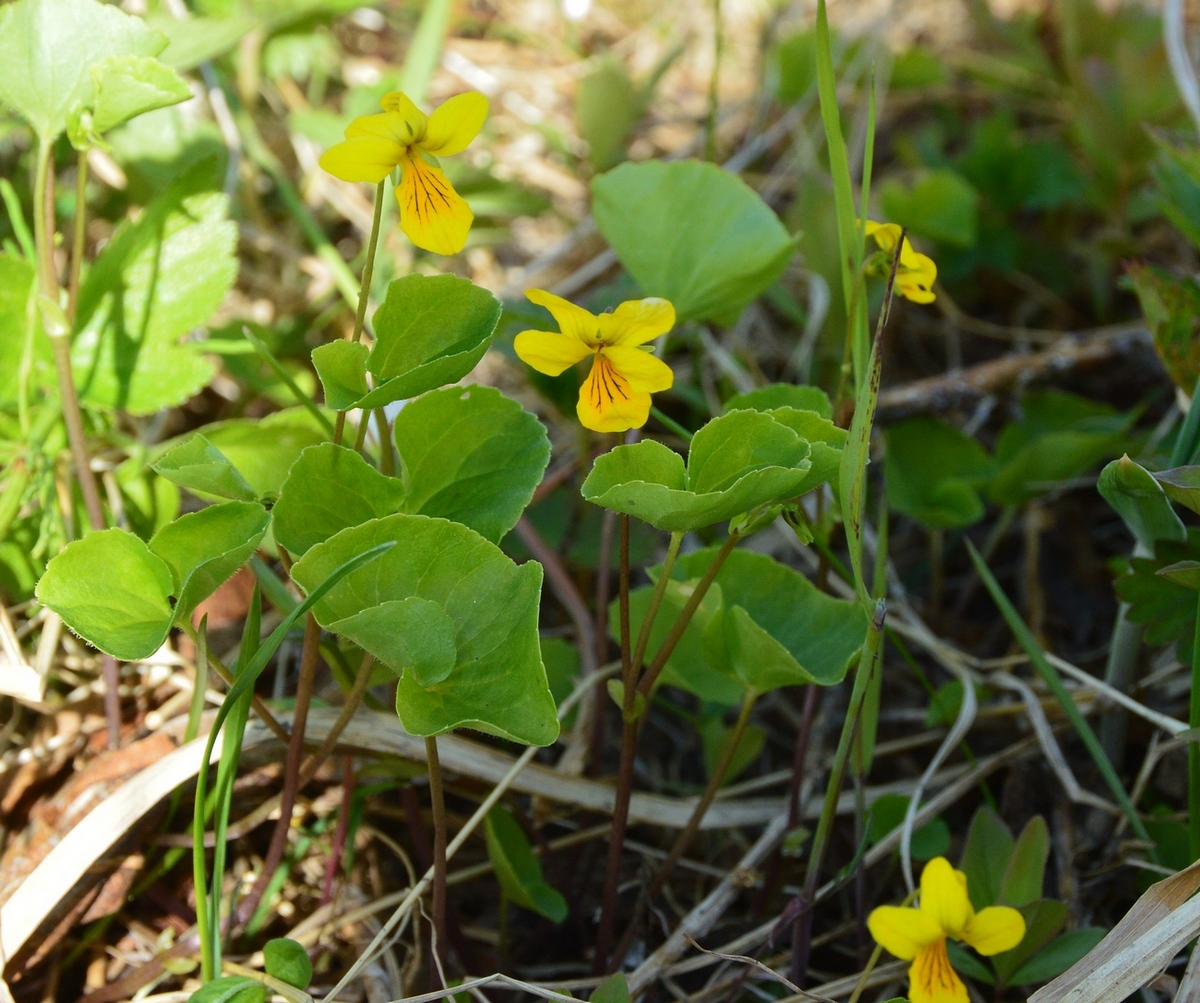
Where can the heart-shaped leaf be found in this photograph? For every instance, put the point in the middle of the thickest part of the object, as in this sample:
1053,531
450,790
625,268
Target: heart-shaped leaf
934,472
498,684
471,455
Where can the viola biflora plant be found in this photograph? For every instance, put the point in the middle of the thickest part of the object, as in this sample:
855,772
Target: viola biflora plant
393,547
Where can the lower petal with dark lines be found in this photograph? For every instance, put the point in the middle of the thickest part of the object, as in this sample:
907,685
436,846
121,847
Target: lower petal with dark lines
607,402
432,214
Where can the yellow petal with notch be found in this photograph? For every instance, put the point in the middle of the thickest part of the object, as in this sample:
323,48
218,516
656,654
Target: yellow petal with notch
903,931
399,103
364,158
454,124
386,125
643,370
607,401
572,320
549,352
636,322
944,896
932,979
994,929
432,214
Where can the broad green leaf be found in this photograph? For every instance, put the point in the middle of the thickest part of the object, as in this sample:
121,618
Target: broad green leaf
1059,437
517,869
471,455
18,327
287,961
933,472
1165,606
802,398
1171,307
231,989
606,110
196,464
328,489
123,87
498,684
736,463
1186,573
814,636
47,51
1059,955
928,841
614,989
985,856
203,549
708,262
263,451
1181,484
407,635
430,331
113,592
940,205
1138,497
159,278
1023,878
1044,918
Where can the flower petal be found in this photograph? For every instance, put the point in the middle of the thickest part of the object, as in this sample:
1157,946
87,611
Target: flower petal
364,158
432,214
994,929
635,322
607,403
903,931
388,125
572,320
454,124
931,978
915,279
944,896
398,103
884,234
549,352
644,370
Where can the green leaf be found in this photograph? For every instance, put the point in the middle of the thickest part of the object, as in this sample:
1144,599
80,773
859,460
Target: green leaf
431,330
196,464
498,684
1177,177
1171,307
1044,918
1023,878
196,40
1138,497
48,49
940,205
231,989
887,813
18,324
736,463
614,989
776,395
407,635
714,736
470,455
516,867
159,278
1059,955
606,110
330,488
263,450
966,963
287,961
113,592
708,263
124,87
1058,438
933,472
1181,484
1165,606
203,549
985,856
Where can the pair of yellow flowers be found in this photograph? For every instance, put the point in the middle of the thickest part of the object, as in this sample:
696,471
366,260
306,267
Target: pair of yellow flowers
615,396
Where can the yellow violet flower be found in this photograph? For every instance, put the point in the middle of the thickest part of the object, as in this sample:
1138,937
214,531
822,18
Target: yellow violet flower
917,272
616,394
432,214
919,935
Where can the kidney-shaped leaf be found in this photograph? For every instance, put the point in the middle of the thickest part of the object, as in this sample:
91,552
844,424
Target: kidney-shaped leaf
328,489
736,463
691,233
203,549
112,591
471,455
498,684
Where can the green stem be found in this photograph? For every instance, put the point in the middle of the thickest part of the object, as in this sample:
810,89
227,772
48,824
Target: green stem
439,844
387,455
660,589
77,242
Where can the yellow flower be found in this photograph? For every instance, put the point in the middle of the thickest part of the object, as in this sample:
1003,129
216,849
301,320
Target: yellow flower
616,394
919,935
432,214
917,272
